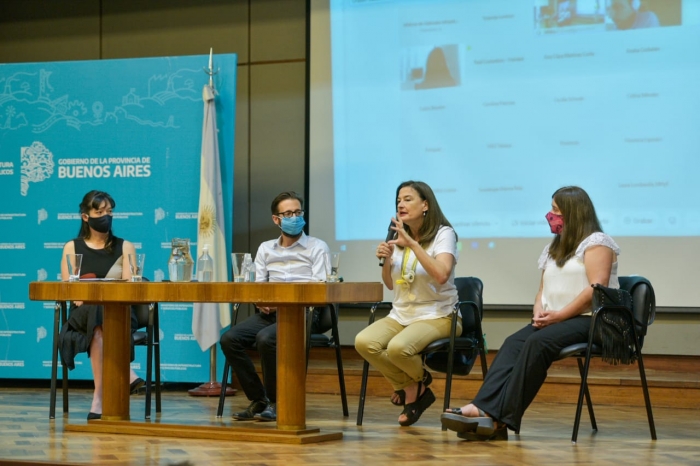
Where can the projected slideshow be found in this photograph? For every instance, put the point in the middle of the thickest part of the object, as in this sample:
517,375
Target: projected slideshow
497,103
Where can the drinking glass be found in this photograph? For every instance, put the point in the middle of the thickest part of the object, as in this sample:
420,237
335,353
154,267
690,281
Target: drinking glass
74,262
335,264
136,266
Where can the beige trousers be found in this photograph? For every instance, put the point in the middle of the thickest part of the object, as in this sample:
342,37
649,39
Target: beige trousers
394,349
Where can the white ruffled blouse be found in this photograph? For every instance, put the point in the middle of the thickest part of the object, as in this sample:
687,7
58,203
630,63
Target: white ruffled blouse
561,285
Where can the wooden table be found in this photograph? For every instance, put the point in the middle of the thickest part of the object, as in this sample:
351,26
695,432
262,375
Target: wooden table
289,298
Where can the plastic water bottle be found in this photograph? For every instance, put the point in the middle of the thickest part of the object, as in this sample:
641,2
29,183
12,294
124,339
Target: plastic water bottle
248,268
205,265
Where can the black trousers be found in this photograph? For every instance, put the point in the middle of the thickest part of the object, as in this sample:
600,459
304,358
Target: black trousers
259,331
520,368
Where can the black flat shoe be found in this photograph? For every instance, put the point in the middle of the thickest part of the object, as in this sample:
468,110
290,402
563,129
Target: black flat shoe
135,385
94,416
413,411
499,433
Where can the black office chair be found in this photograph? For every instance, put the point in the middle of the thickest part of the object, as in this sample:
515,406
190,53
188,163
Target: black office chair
328,320
147,317
453,355
642,315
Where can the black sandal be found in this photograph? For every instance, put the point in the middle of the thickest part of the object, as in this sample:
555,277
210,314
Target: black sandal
458,411
402,398
456,421
426,380
413,411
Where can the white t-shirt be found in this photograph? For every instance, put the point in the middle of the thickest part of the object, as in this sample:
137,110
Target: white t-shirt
561,285
424,299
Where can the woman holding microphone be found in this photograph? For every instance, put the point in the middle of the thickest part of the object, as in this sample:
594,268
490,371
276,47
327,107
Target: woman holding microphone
419,267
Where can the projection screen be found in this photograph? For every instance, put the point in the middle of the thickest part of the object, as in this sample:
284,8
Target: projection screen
496,104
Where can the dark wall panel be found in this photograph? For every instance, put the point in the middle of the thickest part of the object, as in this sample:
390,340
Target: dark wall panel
40,30
241,170
276,140
133,28
277,30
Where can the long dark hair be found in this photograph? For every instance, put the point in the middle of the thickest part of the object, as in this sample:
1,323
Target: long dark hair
93,200
580,221
434,218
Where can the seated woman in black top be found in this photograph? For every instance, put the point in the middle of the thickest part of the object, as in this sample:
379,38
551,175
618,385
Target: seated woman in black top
104,256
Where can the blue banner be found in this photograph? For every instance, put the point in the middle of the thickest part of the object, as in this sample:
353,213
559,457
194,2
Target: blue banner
132,128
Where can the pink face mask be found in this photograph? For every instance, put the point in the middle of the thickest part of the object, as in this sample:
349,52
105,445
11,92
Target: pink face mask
556,222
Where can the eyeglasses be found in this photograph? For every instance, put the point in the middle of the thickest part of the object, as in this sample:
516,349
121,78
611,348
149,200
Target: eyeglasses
290,214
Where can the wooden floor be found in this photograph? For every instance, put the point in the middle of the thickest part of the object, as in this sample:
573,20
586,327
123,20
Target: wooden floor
27,436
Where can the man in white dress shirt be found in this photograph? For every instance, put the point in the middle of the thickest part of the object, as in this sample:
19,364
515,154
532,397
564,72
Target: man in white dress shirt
293,257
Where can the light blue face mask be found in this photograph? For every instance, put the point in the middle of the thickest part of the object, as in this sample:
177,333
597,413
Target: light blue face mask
292,226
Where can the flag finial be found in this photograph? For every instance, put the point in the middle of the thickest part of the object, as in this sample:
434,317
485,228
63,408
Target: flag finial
210,71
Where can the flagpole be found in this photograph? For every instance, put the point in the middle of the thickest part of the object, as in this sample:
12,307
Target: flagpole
213,387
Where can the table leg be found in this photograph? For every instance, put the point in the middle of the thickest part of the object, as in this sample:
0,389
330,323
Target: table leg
116,334
291,368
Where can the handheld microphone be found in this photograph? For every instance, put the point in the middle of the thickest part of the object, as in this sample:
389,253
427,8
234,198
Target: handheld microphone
389,236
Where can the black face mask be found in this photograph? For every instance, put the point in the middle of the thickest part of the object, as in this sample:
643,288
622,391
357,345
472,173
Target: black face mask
100,224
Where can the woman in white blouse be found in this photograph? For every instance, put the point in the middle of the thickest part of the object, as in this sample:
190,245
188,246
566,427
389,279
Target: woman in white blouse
579,255
419,268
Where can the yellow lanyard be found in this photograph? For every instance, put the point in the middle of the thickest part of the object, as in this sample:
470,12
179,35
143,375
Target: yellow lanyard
407,279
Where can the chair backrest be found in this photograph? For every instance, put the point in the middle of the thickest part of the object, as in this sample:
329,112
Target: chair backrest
325,322
643,301
140,315
141,312
470,290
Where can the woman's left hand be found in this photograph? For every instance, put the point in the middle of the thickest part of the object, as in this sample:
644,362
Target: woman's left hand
402,238
543,319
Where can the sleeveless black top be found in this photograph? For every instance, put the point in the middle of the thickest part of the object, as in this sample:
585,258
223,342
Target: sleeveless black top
100,262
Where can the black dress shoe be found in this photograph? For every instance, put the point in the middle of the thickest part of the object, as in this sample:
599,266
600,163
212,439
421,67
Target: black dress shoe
94,416
135,385
249,413
268,415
